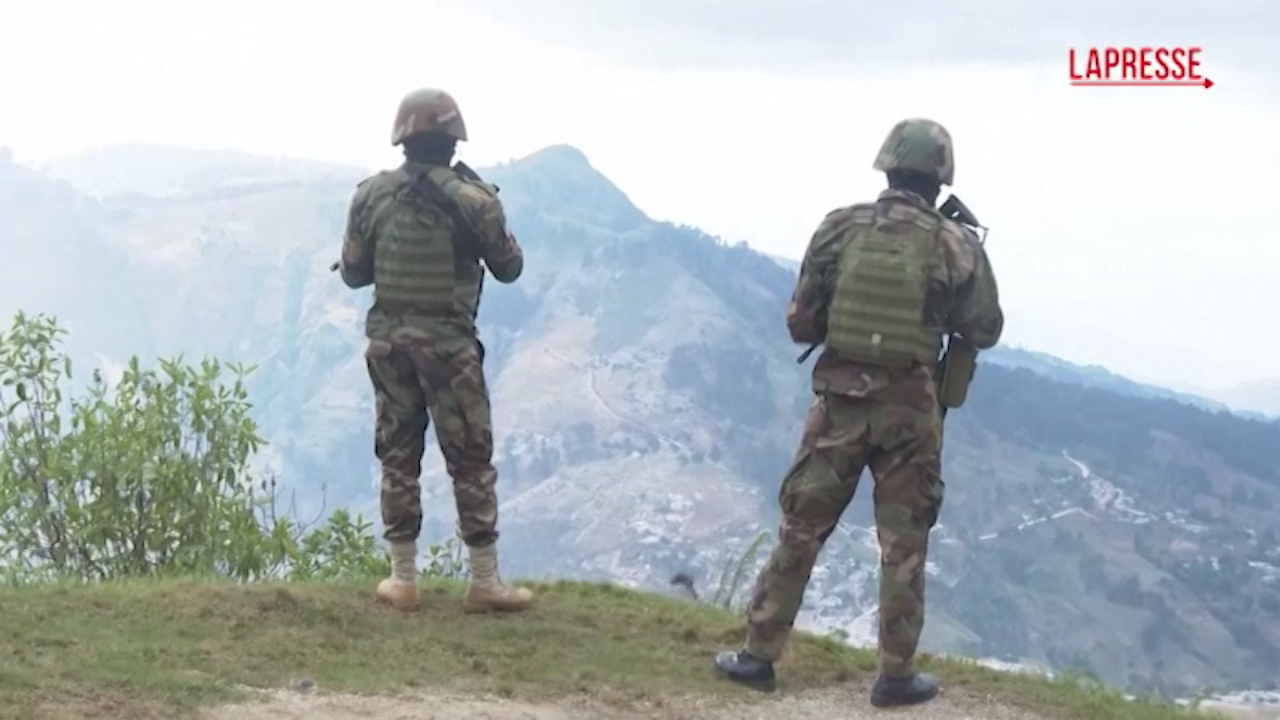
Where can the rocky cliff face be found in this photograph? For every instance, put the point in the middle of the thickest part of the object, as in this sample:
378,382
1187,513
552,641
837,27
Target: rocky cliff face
647,402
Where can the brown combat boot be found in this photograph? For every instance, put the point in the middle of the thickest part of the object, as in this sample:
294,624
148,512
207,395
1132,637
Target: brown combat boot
399,594
401,589
486,591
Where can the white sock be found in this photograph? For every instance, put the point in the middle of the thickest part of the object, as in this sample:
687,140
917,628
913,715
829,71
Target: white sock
404,561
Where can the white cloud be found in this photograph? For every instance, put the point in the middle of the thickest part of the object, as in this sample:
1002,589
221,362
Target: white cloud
1130,226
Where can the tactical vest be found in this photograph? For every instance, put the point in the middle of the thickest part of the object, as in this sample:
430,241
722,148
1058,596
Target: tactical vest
413,257
876,314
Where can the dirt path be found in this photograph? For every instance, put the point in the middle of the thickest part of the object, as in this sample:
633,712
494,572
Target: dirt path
849,704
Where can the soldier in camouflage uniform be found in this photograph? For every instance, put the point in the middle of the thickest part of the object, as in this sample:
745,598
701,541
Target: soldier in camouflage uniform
418,234
880,285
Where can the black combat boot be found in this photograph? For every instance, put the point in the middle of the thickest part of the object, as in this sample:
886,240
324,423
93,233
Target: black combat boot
913,690
746,669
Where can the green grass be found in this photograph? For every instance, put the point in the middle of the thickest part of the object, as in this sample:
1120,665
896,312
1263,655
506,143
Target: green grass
159,649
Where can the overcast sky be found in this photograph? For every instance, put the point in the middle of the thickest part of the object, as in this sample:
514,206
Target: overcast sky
1131,227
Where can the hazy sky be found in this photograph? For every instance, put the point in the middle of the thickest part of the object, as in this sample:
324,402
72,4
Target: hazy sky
1130,226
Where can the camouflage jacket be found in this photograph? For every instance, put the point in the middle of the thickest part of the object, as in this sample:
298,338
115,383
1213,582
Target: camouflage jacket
371,206
963,298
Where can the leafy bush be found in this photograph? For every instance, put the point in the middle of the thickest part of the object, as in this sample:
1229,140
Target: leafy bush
150,475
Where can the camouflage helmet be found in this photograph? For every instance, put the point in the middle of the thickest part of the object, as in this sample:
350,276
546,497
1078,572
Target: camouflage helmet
920,145
428,110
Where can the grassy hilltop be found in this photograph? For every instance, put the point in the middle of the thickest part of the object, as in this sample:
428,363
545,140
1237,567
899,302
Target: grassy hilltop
169,649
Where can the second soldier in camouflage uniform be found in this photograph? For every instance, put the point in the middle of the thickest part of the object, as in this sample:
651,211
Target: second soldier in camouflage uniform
881,283
419,234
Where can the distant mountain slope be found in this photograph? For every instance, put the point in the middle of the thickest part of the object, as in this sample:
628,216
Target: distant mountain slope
166,170
788,263
1093,376
1259,396
647,401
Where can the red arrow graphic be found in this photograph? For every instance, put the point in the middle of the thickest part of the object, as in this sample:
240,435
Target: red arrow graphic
1205,83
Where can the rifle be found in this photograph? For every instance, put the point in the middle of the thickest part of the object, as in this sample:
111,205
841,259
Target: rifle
433,192
465,171
959,359
955,209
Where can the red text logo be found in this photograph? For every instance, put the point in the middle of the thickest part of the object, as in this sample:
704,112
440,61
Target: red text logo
1141,66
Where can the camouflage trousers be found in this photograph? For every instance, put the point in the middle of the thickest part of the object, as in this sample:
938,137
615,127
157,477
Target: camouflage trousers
415,381
842,435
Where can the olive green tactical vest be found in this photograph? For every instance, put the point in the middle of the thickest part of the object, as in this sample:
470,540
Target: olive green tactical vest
877,308
413,258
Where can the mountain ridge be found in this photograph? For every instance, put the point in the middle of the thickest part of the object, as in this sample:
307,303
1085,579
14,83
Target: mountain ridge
567,162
